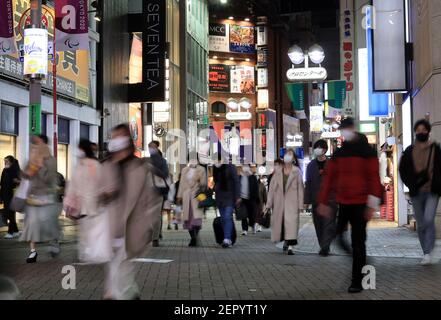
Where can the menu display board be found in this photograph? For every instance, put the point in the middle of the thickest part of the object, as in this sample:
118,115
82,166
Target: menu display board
219,37
242,39
242,80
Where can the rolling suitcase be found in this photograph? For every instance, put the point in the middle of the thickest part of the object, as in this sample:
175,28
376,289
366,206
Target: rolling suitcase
219,231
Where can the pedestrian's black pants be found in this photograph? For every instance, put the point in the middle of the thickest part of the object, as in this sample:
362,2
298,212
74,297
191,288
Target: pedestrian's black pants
354,214
325,228
250,220
9,217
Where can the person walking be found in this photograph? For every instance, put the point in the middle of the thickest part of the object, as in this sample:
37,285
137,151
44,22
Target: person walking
324,227
420,171
41,220
227,192
193,180
263,192
9,181
285,198
249,194
81,199
126,190
160,176
352,174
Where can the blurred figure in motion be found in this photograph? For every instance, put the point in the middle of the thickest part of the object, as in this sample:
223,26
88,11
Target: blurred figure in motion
9,181
126,190
167,207
81,201
249,194
285,198
8,289
420,171
193,181
324,227
160,176
227,190
41,212
353,176
261,181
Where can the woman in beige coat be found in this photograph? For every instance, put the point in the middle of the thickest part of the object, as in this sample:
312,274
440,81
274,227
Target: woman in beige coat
285,197
193,179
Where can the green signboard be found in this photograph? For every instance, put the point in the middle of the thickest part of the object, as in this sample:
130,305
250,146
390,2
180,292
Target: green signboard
35,119
296,93
336,93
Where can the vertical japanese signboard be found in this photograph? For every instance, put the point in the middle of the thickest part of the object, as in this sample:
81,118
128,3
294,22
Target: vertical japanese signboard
153,49
347,54
7,41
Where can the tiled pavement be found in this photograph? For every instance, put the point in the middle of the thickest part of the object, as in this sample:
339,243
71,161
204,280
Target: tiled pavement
253,269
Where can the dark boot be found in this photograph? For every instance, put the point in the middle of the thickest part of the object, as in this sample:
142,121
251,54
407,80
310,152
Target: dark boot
192,242
355,287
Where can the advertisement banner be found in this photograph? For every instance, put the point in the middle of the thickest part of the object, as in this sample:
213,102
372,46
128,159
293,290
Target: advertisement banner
219,37
242,39
262,57
7,40
262,99
35,119
296,94
336,97
262,36
135,123
316,118
71,25
72,66
35,52
262,77
347,58
242,79
219,78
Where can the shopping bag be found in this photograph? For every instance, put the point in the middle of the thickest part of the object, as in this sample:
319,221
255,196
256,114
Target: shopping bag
97,247
18,202
266,219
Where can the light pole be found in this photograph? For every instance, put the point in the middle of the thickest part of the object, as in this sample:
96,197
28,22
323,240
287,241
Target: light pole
298,56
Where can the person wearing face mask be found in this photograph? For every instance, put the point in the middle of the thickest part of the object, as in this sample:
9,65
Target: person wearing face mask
249,193
193,180
324,227
285,198
420,171
127,192
81,199
227,191
9,181
352,178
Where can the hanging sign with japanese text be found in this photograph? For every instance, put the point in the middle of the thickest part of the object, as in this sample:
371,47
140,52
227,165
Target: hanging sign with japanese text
71,25
219,78
307,74
7,41
347,54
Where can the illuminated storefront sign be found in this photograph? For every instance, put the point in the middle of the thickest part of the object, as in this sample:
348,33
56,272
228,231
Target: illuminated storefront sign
347,53
307,74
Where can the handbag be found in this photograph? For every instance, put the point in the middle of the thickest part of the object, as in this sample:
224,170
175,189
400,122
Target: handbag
422,177
205,199
161,186
241,212
18,202
266,219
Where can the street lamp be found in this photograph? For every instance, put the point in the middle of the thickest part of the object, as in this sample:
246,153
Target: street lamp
296,55
315,53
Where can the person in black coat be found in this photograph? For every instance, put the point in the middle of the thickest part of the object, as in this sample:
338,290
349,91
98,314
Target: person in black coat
420,170
9,181
249,194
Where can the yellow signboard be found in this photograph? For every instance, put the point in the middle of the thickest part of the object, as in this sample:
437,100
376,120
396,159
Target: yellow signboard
72,66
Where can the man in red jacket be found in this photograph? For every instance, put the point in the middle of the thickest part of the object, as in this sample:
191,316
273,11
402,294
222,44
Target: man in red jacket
352,175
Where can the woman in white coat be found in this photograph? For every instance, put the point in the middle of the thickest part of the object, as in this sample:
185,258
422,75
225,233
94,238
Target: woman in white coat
81,200
285,198
193,180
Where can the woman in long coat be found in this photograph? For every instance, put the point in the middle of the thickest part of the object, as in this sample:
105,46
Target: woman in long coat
285,197
193,179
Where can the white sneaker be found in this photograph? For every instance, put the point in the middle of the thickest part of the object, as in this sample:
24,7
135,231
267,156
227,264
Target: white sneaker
259,229
8,236
426,260
244,233
433,259
16,234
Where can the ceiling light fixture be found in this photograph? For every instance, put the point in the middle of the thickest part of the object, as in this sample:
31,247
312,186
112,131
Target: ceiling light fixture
231,17
247,19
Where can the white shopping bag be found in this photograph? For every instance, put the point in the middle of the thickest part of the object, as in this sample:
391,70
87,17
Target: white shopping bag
97,247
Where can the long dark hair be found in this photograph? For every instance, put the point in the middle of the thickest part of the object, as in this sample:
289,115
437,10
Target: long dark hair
86,146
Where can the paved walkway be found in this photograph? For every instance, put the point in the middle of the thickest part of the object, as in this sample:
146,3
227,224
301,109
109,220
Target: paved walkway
253,269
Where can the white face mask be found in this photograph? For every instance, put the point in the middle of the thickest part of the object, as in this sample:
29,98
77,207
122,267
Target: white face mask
319,152
193,163
218,164
287,158
347,134
81,154
119,144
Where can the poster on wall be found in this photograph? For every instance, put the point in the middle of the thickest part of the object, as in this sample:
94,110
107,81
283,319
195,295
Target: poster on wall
316,118
219,37
242,39
219,78
242,80
262,77
262,57
262,36
135,123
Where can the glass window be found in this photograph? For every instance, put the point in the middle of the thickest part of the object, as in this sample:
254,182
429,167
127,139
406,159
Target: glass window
84,131
8,119
62,160
63,131
44,124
